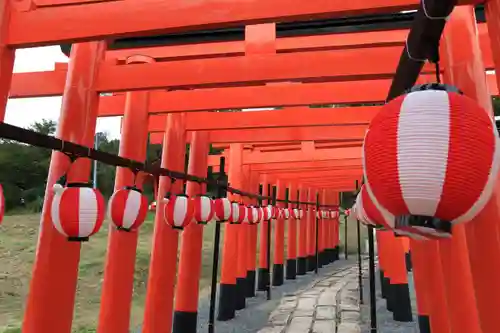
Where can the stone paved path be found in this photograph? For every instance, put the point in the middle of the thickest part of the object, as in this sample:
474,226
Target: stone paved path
328,305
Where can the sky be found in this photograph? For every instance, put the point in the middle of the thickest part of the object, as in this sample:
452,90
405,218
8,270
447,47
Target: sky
23,112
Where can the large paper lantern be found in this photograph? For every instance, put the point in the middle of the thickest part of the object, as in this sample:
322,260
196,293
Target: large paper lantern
127,208
203,209
222,209
77,211
432,153
179,211
2,204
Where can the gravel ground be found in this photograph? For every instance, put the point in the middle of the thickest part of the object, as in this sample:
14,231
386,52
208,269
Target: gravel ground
255,315
385,323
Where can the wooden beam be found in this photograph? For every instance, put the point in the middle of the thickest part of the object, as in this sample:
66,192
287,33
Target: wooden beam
337,65
296,117
338,133
336,41
113,19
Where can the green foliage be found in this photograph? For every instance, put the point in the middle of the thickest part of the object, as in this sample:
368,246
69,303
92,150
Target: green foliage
24,169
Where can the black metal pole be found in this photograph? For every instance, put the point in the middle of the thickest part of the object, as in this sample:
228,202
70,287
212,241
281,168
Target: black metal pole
360,268
345,237
269,229
215,261
317,233
373,300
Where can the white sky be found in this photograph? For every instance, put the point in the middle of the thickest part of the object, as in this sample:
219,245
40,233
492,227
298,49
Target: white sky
24,111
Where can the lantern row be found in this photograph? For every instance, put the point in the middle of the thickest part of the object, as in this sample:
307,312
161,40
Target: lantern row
430,161
127,209
74,151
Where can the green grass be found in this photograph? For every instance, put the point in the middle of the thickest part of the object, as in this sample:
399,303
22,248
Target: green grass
18,236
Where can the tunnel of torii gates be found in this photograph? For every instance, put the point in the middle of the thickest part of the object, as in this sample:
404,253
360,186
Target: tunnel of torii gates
172,91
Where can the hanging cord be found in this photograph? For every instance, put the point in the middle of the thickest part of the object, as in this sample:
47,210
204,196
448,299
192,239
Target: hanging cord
426,13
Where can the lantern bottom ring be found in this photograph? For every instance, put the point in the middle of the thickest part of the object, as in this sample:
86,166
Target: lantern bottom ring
78,239
177,228
426,222
124,229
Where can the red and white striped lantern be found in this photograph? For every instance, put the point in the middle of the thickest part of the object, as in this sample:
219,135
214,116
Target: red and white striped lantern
179,211
2,204
152,206
127,208
319,214
347,212
222,209
267,212
203,209
286,213
254,215
77,211
431,153
359,210
296,213
235,213
243,216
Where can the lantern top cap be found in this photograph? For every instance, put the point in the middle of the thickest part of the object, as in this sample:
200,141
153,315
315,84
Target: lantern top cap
434,86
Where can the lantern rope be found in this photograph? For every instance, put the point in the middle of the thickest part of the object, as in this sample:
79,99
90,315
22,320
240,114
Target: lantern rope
75,151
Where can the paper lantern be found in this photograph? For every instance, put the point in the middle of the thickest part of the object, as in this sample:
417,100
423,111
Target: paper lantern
254,215
347,212
275,212
243,216
286,213
267,212
179,211
235,213
319,214
127,208
248,215
431,153
359,210
2,204
301,213
203,209
295,213
152,206
77,211
222,209
262,211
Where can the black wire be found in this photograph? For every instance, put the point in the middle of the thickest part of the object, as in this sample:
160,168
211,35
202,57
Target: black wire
74,151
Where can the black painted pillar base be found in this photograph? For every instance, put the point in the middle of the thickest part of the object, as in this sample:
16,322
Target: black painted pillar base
383,286
311,263
291,269
320,259
240,299
262,279
424,324
402,303
301,266
250,290
409,265
325,257
390,295
185,322
333,254
226,302
337,253
278,274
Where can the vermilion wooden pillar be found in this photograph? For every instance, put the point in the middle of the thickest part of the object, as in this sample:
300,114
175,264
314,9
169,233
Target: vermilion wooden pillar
279,239
422,277
476,277
51,298
6,58
291,260
263,271
302,230
227,293
163,266
188,278
399,279
253,187
321,230
311,231
118,282
243,244
492,8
